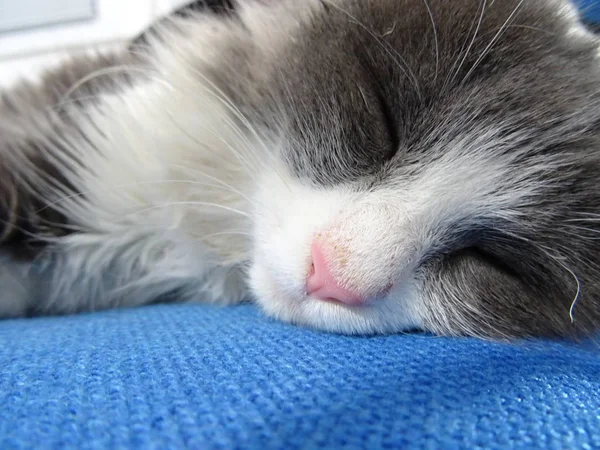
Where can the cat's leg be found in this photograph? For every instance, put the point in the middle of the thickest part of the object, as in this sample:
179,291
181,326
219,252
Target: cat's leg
104,201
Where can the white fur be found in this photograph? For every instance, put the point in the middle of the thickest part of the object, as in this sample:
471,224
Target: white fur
162,189
159,197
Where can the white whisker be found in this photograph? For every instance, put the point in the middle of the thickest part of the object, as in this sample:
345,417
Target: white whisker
191,203
453,72
227,233
494,39
392,53
224,186
123,68
245,164
225,101
437,50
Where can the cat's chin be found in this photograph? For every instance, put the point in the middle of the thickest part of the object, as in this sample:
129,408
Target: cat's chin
389,315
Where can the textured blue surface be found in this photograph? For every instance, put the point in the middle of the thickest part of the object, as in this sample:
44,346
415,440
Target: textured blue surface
590,9
205,377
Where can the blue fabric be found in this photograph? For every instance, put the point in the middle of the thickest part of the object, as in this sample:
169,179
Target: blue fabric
218,378
590,9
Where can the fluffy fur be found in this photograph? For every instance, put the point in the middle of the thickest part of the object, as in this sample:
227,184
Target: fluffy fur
445,155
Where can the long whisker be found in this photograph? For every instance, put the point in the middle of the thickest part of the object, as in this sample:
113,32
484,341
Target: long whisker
249,170
526,27
123,69
577,293
494,39
191,203
550,254
591,230
455,72
141,183
435,35
227,233
225,101
215,91
217,180
243,162
591,217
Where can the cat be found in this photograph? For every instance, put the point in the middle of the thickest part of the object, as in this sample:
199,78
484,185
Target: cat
355,166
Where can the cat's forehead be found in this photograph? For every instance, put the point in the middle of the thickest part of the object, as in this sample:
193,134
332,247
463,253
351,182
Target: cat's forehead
419,43
415,37
358,76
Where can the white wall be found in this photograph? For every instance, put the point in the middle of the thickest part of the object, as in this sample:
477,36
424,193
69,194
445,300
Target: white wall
24,52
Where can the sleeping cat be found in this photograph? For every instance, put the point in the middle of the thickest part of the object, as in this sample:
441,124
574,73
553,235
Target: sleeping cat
358,166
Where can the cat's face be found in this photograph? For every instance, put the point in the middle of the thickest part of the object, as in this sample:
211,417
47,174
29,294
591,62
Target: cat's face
433,166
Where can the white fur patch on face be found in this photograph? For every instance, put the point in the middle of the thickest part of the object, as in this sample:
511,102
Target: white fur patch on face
290,216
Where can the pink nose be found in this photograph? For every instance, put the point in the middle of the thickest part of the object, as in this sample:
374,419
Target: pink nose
322,285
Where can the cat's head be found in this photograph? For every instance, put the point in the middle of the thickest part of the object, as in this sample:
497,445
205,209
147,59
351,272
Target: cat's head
431,165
